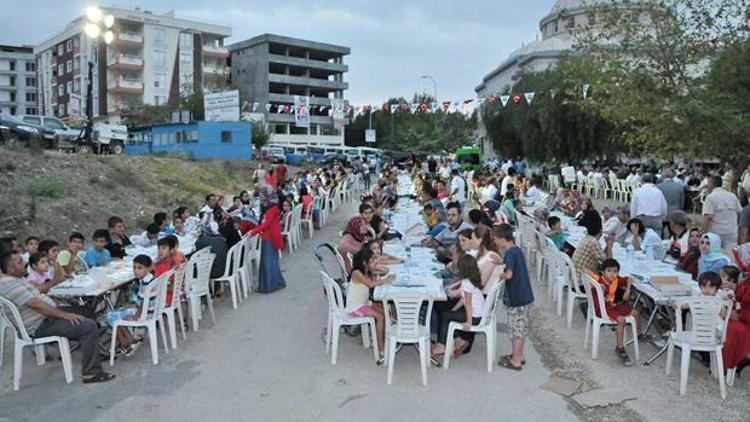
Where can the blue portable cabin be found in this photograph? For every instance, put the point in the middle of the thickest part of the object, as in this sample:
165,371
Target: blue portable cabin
199,140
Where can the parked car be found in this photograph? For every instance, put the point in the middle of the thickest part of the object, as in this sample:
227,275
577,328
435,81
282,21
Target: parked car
24,131
63,131
273,154
329,159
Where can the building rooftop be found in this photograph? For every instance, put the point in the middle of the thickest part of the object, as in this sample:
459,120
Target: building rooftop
8,48
295,42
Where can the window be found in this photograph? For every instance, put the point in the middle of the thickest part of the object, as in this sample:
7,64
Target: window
61,110
160,58
571,22
557,27
12,111
194,135
69,66
31,111
60,90
12,65
77,85
76,43
69,45
31,82
179,137
34,120
160,35
69,87
30,67
30,96
226,137
60,50
60,69
160,80
52,123
76,65
12,97
157,100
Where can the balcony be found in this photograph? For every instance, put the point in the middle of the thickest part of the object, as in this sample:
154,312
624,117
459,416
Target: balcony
284,98
125,85
215,51
215,70
304,81
313,64
129,38
124,61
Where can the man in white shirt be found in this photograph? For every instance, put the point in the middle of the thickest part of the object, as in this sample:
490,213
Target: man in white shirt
614,223
458,189
506,166
445,171
532,192
648,204
720,213
507,180
489,192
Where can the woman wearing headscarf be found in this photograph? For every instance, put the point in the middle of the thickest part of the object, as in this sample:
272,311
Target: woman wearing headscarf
269,278
354,237
689,261
209,237
711,257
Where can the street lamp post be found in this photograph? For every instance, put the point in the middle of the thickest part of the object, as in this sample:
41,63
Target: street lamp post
97,25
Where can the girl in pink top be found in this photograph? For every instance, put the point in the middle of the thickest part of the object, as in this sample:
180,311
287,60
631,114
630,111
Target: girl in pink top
38,268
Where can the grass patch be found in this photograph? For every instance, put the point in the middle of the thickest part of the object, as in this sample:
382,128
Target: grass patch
46,187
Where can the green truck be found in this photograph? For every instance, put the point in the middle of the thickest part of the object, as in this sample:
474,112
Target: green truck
470,158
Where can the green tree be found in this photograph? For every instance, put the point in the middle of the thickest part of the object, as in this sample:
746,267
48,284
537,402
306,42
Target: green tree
137,114
261,134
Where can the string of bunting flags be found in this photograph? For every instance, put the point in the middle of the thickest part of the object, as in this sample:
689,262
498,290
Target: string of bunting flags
346,109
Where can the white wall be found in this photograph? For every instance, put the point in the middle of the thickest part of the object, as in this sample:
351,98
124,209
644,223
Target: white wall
151,47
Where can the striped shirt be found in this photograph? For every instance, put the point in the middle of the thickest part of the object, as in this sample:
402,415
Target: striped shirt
20,292
142,285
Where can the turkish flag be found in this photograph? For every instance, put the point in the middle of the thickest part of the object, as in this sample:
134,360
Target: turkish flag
517,99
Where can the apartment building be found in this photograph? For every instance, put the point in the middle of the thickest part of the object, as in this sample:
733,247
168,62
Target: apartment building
18,81
272,69
153,59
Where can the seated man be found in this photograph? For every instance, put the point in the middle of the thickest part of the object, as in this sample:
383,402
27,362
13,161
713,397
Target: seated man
97,255
149,237
449,234
117,239
42,318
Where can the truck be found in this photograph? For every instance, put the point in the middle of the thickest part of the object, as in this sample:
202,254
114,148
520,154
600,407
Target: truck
469,158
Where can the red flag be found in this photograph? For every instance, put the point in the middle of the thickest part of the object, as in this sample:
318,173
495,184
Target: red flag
492,99
423,108
517,99
446,106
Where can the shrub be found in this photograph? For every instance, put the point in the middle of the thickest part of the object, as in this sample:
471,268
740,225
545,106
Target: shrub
46,187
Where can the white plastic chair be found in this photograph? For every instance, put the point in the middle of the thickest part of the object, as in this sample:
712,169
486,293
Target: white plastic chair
145,320
308,219
197,279
4,325
338,318
705,314
407,329
9,313
244,268
297,223
323,211
169,310
230,273
252,251
594,323
576,291
288,232
487,325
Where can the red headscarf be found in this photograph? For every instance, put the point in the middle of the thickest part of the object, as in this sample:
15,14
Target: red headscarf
354,227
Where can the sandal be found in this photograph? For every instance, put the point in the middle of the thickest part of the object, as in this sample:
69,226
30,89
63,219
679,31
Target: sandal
523,362
506,363
437,359
100,377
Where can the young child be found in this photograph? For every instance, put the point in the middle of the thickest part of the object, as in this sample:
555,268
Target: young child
168,258
31,246
162,220
518,296
68,258
358,304
736,351
150,236
616,297
556,233
98,255
468,309
132,311
383,261
51,249
38,269
179,226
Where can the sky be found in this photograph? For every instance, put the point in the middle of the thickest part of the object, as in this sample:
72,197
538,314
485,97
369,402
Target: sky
393,42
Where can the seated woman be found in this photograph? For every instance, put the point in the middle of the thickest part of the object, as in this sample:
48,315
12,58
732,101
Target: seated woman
468,309
711,257
736,352
488,257
354,236
640,237
689,261
587,212
571,202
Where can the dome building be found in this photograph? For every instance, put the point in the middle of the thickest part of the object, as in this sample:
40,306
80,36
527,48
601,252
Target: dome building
556,36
